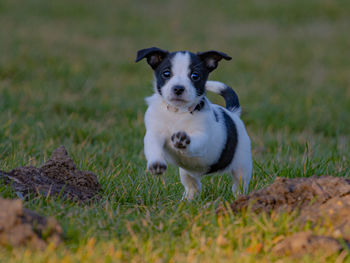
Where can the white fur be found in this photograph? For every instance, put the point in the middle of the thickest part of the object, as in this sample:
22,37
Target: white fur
215,86
207,135
180,71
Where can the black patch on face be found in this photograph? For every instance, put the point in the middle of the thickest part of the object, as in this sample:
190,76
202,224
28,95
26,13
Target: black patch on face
197,66
165,65
228,152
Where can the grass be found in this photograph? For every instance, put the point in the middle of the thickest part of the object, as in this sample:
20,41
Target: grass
67,76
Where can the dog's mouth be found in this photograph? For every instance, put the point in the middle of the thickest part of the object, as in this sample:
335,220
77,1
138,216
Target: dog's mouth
178,100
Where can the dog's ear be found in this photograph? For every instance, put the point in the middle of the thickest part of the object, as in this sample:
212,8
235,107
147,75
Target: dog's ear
211,58
154,56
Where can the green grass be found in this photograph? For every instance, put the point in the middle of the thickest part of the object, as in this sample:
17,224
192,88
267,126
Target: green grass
67,76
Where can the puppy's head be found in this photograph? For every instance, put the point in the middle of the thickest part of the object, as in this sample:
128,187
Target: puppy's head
180,77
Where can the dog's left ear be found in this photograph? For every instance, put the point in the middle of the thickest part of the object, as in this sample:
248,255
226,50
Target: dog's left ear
154,56
211,58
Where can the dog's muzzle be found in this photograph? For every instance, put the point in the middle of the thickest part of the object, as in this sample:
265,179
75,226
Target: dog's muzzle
178,90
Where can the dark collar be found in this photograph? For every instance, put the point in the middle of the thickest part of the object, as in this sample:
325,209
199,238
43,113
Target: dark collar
199,106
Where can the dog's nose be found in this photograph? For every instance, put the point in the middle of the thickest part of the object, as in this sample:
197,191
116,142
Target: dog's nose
178,90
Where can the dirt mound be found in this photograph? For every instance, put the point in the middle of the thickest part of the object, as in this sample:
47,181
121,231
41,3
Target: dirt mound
57,177
306,242
334,214
289,194
321,201
20,226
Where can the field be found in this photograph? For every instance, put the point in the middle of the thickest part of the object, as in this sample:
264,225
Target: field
68,77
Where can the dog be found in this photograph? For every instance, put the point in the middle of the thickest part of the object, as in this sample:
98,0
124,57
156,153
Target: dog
184,128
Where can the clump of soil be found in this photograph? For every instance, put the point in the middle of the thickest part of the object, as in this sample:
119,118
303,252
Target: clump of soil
321,201
20,226
333,214
289,194
57,177
306,242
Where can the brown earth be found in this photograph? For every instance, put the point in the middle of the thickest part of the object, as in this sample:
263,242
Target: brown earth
306,242
57,177
333,214
321,201
289,194
20,226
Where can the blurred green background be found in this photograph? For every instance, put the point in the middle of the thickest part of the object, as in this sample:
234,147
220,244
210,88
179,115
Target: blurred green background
67,76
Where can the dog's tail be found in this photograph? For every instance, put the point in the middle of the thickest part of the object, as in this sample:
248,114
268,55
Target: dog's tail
230,96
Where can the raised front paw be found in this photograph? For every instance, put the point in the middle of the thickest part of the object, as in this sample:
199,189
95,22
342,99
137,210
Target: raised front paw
157,167
180,140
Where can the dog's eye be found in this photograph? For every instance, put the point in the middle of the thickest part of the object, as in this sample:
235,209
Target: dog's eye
195,76
166,74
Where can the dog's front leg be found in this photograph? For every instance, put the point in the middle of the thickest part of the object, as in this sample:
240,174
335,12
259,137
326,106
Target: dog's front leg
192,145
154,144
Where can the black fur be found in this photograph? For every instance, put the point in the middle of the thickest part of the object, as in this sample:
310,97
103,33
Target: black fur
231,98
199,106
202,63
154,56
165,65
228,152
198,66
211,58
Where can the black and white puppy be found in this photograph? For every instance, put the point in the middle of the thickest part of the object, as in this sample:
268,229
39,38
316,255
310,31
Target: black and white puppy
184,128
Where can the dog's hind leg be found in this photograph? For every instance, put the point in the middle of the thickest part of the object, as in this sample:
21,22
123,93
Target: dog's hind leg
241,179
191,183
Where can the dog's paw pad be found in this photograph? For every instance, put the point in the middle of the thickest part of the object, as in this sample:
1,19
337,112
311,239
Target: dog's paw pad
157,167
180,140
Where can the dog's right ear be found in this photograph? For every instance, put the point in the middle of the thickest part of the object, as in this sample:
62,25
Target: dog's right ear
154,56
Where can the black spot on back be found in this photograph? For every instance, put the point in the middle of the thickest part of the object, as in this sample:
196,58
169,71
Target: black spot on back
228,152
